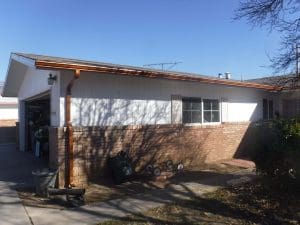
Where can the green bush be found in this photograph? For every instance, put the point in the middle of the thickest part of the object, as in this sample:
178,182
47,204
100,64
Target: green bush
279,155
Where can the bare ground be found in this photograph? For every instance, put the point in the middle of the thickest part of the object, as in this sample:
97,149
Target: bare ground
105,189
248,203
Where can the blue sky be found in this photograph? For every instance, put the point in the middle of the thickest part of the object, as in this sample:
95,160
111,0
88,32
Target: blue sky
199,33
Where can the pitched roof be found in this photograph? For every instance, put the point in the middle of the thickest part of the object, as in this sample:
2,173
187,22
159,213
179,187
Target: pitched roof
289,81
69,61
6,101
50,62
1,87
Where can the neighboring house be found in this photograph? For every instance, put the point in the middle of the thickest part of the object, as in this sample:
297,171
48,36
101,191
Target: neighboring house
96,109
289,97
8,118
8,110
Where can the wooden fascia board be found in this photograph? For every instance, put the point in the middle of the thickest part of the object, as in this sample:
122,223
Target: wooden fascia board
151,74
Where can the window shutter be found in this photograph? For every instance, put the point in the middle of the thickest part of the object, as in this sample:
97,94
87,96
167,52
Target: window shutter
271,109
224,110
265,109
176,109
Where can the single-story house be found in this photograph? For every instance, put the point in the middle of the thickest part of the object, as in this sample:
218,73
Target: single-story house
289,97
8,118
8,109
94,109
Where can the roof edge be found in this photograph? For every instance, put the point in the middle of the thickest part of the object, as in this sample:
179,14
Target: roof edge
45,64
15,57
22,59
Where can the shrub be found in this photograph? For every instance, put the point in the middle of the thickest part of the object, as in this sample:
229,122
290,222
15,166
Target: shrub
279,156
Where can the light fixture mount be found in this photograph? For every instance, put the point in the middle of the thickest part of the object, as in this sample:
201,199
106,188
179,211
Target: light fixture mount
51,79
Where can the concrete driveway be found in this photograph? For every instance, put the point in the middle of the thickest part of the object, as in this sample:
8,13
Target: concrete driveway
15,170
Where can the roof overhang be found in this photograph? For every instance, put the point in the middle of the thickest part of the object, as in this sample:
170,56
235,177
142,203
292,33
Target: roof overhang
43,64
19,63
17,68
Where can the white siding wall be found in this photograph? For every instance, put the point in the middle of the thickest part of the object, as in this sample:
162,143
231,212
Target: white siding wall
8,108
100,99
8,112
55,102
36,82
8,100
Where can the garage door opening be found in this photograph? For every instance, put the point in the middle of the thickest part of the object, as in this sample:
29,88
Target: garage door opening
37,122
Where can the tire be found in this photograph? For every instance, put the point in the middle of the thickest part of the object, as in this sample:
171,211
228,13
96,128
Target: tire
149,169
169,165
156,171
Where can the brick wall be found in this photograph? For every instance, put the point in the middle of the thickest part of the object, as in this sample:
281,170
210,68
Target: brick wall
192,145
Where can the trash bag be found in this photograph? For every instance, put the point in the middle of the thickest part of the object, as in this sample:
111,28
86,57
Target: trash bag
121,167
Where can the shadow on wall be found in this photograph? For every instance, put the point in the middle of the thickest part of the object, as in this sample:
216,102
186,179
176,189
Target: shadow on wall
253,140
110,112
146,144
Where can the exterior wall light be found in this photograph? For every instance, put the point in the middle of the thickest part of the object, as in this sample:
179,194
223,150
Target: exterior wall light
51,79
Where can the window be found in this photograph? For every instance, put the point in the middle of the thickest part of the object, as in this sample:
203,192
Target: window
268,109
191,110
211,111
194,108
265,109
271,113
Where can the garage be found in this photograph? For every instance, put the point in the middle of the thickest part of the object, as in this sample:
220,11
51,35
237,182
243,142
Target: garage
37,122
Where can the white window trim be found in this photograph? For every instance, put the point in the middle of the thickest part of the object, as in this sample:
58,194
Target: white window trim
202,122
220,108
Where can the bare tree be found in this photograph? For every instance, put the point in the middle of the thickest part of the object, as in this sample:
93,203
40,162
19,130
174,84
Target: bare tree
280,15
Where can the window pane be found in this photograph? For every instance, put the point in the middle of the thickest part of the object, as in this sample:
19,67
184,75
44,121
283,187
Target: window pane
186,105
207,116
215,104
196,105
211,104
265,109
215,116
186,117
196,116
270,109
206,104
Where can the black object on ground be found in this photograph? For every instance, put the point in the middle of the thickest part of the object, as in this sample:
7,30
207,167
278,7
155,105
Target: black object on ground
74,196
44,179
121,167
167,166
65,191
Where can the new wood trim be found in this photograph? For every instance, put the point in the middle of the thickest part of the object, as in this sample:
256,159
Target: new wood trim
40,64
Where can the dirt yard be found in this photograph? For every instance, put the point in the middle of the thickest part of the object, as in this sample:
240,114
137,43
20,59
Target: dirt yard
249,203
106,190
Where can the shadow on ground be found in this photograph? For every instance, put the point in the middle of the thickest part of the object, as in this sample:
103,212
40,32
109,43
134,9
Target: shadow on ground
16,166
184,199
250,203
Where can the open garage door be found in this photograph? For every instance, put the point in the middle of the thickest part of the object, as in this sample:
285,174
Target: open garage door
37,122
